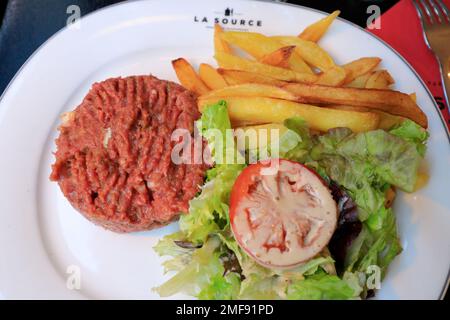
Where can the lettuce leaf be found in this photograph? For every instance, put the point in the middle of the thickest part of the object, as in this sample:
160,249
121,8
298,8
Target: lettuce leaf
222,287
248,265
384,156
201,272
208,212
296,142
274,284
215,126
258,287
180,257
215,121
321,286
204,265
378,247
364,164
411,131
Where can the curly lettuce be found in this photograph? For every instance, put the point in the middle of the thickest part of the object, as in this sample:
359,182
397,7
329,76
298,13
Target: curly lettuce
204,268
209,264
366,165
321,287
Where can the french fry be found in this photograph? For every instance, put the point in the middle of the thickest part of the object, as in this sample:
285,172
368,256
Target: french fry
211,77
262,131
380,79
258,46
219,44
234,77
250,90
267,126
360,67
229,61
279,58
387,121
309,51
390,101
413,96
316,30
237,123
259,110
358,82
188,77
334,76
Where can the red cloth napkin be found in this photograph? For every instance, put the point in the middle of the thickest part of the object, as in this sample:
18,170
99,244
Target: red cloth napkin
401,28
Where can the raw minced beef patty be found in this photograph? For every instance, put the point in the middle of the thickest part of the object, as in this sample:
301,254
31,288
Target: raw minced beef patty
113,158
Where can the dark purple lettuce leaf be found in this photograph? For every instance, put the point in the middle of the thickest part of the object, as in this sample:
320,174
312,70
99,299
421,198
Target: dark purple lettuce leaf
348,227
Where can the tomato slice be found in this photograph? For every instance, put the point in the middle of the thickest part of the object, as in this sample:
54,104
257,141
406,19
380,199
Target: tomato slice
282,219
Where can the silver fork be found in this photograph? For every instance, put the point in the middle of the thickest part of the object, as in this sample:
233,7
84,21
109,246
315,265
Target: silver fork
435,18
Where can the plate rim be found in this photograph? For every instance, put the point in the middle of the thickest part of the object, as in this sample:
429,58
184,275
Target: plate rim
354,25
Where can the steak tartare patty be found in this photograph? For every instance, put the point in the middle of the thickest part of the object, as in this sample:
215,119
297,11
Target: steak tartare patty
113,158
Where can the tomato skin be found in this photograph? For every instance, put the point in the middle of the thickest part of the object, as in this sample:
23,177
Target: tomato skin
240,190
240,187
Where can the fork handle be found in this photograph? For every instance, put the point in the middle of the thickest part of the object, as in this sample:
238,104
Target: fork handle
444,61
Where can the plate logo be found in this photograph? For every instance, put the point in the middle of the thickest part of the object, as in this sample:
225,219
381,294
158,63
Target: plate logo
228,12
229,18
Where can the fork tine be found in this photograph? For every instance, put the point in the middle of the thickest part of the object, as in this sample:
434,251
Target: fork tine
436,11
418,9
427,10
420,12
444,9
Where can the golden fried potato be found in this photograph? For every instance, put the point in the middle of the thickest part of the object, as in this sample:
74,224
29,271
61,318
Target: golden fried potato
237,123
250,90
234,77
229,61
219,44
358,82
390,101
258,46
315,31
309,51
259,110
360,67
211,77
335,76
262,134
279,58
380,79
387,121
188,77
267,126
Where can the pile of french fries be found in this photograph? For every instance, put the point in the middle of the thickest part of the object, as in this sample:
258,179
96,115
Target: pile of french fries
293,76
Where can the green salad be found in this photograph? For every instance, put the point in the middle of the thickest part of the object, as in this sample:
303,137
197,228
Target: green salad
361,169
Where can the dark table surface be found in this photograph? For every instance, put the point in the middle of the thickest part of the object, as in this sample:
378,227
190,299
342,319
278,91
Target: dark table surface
26,24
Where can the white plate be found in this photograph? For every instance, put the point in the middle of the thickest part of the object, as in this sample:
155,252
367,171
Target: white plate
41,236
